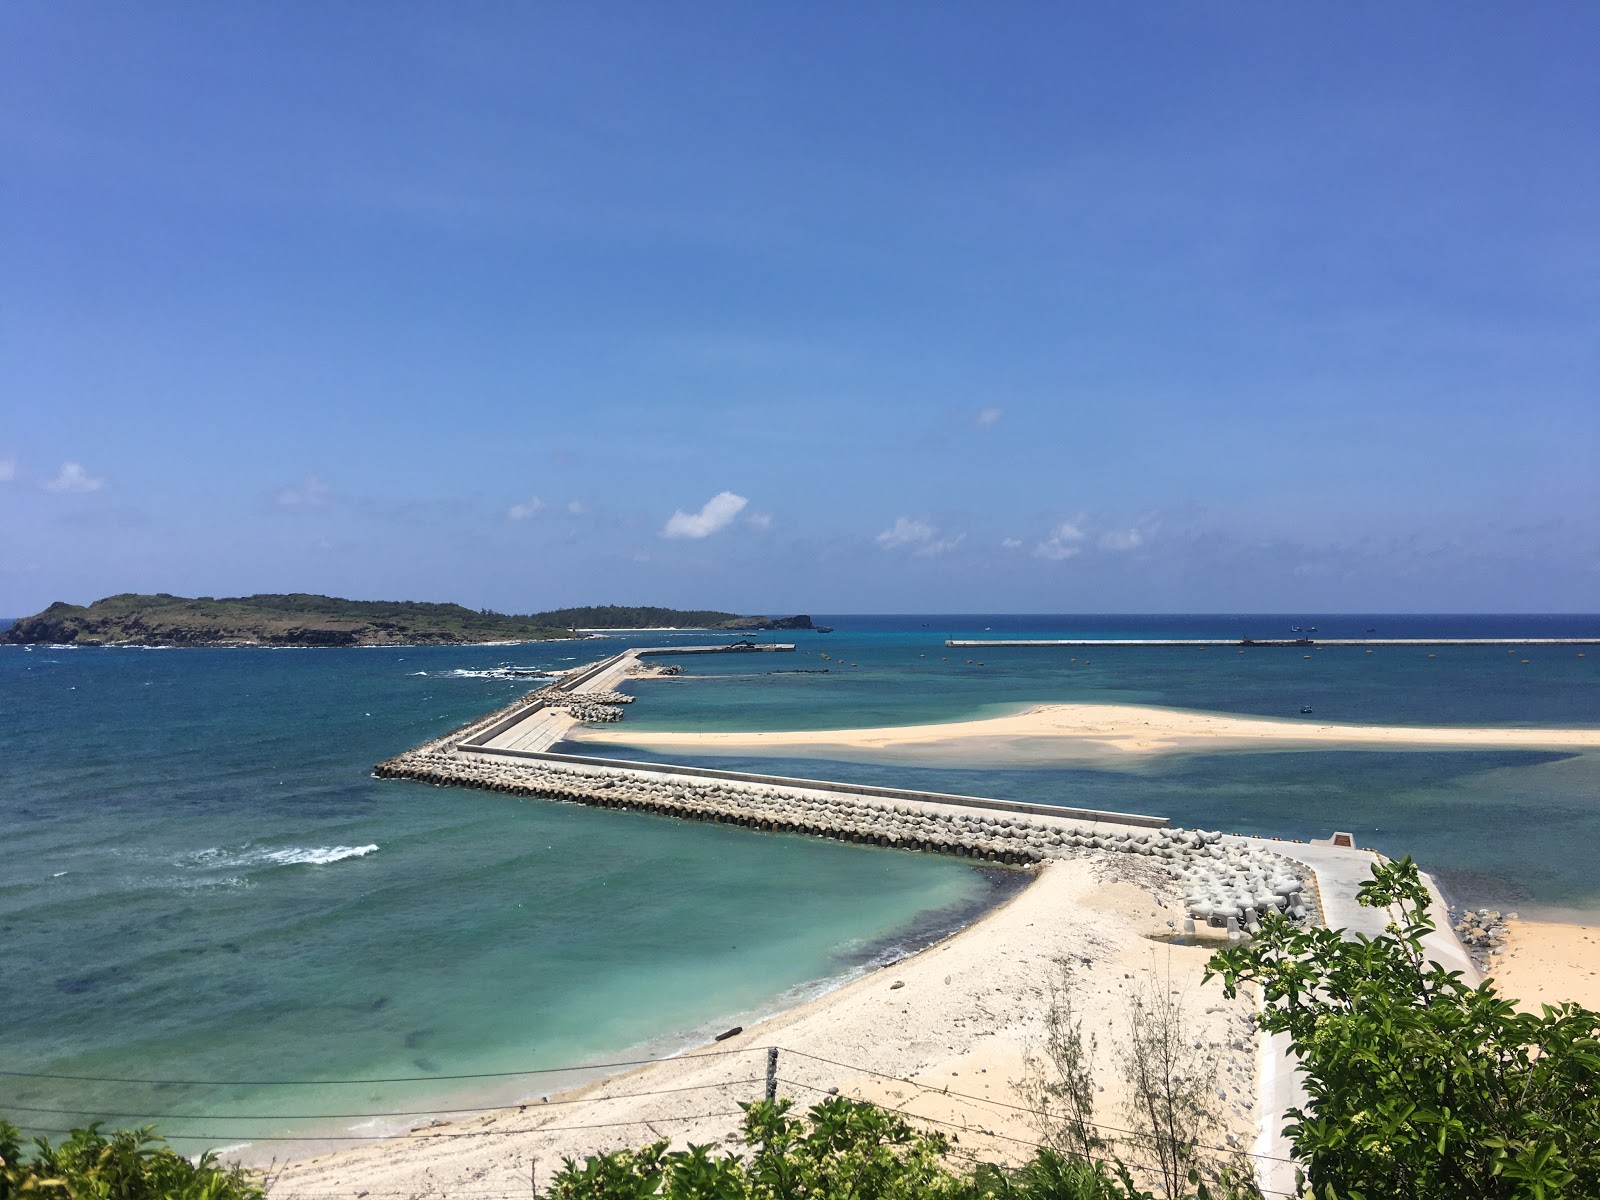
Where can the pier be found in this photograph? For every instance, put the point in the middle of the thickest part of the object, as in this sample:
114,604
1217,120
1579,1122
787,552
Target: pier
1245,643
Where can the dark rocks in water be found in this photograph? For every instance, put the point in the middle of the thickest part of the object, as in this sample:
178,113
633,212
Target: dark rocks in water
734,1032
380,1002
230,947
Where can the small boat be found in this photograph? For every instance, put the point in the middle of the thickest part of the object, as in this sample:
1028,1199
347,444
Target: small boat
1305,708
824,629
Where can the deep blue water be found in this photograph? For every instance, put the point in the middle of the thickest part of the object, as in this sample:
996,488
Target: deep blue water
200,878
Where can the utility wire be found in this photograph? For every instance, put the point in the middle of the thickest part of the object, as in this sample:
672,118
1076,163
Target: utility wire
981,1132
636,1062
419,1137
1022,1108
415,1112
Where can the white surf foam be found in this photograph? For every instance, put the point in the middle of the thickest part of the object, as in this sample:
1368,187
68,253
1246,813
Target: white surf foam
317,856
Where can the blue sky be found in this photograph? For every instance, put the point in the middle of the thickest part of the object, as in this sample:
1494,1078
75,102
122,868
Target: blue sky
825,307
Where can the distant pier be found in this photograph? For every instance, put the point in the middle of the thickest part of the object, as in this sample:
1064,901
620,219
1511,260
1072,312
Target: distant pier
1246,642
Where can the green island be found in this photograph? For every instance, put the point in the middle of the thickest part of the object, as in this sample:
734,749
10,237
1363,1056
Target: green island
300,619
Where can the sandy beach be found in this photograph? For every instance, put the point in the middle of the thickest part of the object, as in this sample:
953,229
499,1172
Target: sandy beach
1543,962
956,1021
1060,730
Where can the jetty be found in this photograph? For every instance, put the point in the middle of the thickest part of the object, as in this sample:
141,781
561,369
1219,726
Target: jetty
986,643
1231,883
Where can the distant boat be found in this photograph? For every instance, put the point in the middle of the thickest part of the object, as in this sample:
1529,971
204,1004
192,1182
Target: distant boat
1305,708
1294,629
824,628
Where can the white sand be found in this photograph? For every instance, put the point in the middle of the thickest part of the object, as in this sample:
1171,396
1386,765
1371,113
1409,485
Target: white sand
1125,728
968,1011
1546,963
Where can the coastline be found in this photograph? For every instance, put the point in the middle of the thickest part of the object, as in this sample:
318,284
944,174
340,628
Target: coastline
957,1018
1056,731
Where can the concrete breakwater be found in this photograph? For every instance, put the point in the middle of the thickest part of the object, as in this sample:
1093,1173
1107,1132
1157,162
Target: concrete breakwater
1226,883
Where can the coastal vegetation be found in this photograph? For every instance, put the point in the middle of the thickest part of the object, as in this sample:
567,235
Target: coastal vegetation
1417,1084
844,1150
131,1164
300,619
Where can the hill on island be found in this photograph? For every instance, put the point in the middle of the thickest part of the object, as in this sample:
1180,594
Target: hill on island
299,619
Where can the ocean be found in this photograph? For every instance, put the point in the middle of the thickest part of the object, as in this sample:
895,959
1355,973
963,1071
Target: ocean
200,880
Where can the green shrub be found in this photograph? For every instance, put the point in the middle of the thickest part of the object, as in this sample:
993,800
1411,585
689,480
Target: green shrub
132,1164
1419,1085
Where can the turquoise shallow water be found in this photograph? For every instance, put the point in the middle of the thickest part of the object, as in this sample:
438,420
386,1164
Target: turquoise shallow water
200,879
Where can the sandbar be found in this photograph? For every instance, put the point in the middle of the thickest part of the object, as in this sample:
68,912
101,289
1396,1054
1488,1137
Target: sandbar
1121,728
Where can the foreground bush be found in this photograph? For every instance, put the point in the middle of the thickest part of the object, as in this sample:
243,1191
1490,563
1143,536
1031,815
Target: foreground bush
841,1150
1419,1085
132,1164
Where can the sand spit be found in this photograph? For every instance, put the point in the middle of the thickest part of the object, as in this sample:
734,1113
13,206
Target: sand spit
957,1018
1124,728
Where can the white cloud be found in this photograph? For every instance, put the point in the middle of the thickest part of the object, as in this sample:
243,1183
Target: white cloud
8,469
905,532
917,536
576,508
760,521
309,493
1122,539
989,417
717,513
528,508
1011,543
1063,543
73,478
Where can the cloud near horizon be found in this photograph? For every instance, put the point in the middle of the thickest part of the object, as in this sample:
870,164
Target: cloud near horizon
531,507
989,417
715,515
72,478
1063,543
311,492
1122,539
917,536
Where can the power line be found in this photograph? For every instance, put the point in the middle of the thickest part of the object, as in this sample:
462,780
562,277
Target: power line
418,1137
637,1062
981,1132
928,1087
415,1112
